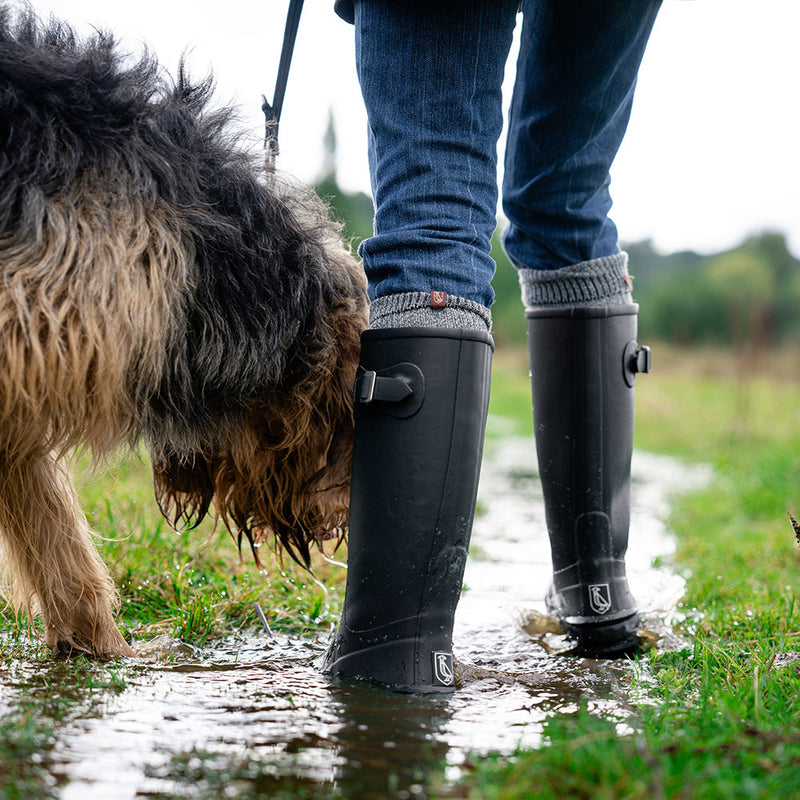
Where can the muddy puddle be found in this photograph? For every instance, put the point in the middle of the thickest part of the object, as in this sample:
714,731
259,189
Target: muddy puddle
251,717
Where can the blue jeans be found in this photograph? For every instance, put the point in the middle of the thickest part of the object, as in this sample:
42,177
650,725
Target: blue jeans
431,73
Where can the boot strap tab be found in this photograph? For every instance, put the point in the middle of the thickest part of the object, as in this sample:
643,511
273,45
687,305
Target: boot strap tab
365,385
644,359
636,360
399,389
371,385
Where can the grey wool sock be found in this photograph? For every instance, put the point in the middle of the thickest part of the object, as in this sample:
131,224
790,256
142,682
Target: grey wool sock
599,282
428,310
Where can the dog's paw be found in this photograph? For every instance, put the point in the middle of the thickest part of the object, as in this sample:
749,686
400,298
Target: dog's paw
102,648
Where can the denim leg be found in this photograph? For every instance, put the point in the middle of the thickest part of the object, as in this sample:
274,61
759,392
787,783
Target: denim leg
431,76
572,100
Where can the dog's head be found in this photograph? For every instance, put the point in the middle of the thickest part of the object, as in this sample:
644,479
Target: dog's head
276,468
255,415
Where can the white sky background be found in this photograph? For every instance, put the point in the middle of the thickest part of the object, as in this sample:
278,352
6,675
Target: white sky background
711,153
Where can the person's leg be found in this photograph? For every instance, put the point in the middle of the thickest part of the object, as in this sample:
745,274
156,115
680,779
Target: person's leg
576,77
431,74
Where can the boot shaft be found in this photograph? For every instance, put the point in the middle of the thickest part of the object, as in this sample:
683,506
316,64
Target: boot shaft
582,377
415,465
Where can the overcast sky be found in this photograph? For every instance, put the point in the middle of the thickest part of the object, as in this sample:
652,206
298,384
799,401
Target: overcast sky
711,154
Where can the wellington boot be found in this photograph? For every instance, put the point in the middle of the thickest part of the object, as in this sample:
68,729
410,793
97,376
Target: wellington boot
421,399
583,365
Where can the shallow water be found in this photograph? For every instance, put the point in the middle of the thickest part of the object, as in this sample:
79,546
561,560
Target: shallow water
251,717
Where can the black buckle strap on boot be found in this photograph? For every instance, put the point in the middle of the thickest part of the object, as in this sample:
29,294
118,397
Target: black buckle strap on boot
412,501
583,365
401,385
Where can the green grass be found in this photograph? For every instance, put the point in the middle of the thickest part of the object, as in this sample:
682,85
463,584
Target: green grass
195,585
191,585
724,721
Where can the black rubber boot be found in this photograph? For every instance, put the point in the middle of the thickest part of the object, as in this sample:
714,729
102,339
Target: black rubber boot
421,399
583,365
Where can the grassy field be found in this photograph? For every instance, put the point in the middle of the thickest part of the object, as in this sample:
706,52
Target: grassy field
724,720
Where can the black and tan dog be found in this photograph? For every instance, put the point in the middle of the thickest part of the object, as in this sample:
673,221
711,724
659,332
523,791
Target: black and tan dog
156,286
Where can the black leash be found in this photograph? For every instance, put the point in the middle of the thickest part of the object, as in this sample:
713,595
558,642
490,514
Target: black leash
272,113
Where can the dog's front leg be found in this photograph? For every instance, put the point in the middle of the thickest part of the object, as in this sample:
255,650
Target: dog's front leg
54,565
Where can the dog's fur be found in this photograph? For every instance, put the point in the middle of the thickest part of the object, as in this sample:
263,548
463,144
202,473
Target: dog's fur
158,286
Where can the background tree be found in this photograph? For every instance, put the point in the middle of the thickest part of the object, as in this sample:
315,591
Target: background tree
354,210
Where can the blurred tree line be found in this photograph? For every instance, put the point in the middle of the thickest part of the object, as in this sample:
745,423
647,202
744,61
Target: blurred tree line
749,295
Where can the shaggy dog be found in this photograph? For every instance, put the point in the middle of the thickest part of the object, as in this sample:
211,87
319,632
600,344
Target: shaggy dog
157,286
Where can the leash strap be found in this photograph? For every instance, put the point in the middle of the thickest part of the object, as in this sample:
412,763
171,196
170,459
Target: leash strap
272,113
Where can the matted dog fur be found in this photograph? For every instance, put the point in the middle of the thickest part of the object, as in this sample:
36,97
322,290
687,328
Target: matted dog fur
157,286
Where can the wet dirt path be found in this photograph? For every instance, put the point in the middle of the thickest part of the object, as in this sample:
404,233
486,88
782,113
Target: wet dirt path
251,717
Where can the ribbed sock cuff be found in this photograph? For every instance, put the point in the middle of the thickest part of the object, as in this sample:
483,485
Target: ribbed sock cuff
599,282
428,310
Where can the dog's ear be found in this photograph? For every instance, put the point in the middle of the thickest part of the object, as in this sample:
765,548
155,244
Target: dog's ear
183,490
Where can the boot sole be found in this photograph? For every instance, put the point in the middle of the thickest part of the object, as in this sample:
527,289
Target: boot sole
617,639
388,666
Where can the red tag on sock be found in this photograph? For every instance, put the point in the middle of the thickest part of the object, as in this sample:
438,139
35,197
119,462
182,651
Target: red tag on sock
438,299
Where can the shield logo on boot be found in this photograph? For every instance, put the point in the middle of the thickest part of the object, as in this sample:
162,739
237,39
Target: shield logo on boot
443,669
600,598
